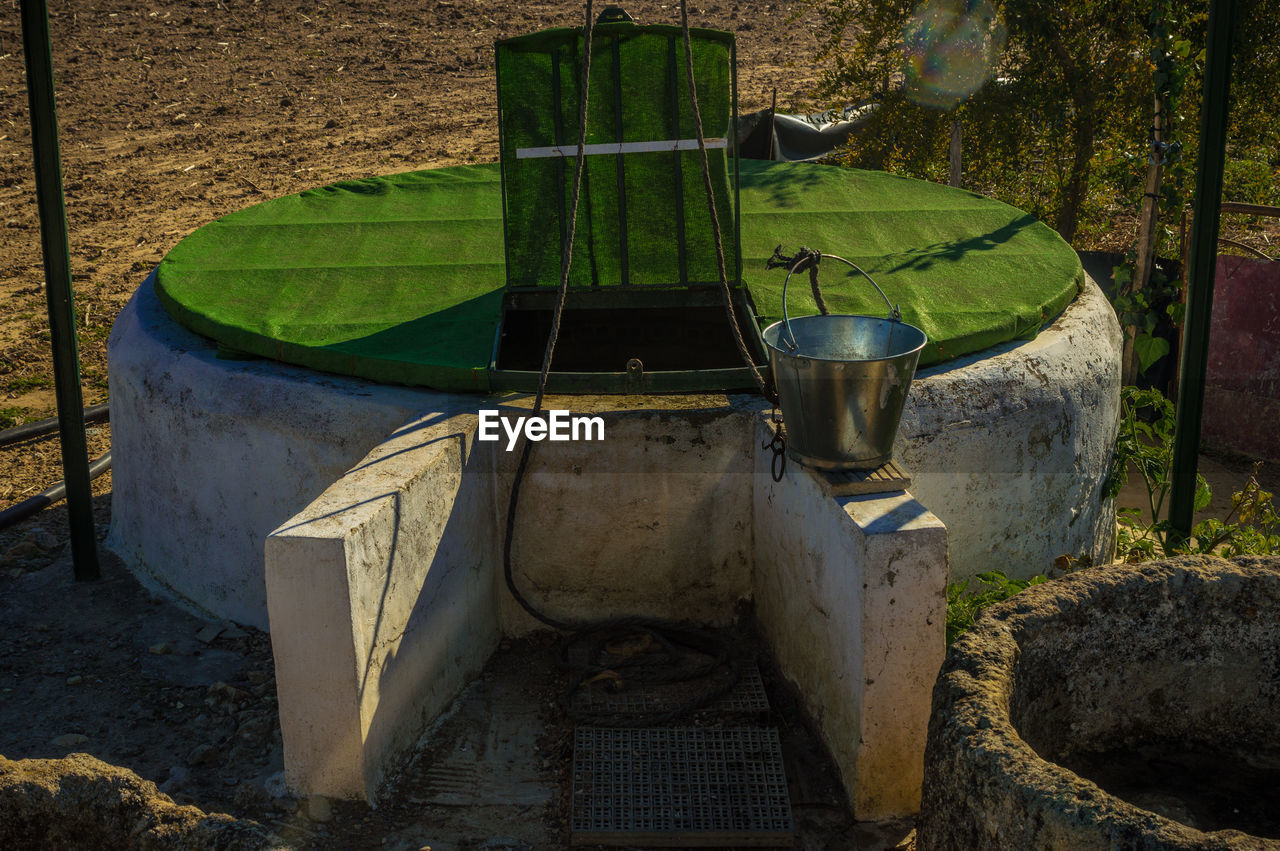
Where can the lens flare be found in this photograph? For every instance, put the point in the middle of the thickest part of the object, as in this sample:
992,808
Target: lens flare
952,48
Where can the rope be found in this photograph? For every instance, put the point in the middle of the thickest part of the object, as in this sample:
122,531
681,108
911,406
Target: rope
765,389
804,258
673,653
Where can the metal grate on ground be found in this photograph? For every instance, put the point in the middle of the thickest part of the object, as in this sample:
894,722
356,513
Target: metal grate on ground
747,696
680,787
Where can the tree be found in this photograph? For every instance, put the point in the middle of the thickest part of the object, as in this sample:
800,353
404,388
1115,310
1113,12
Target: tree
1072,91
1067,70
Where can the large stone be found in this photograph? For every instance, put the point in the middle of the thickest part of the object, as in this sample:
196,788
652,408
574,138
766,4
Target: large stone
83,803
1164,665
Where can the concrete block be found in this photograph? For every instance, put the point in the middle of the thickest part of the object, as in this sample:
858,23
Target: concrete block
851,596
382,604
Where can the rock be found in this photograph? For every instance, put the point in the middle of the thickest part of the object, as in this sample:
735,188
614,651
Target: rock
159,649
506,843
318,809
250,795
202,754
233,632
186,669
275,785
75,681
256,729
24,550
287,804
70,740
81,802
222,694
209,633
44,540
179,777
242,752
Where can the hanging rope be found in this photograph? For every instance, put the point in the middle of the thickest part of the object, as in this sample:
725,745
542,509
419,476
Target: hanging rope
804,258
622,651
765,389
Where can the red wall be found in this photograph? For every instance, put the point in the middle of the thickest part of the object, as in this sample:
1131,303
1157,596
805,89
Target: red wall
1242,387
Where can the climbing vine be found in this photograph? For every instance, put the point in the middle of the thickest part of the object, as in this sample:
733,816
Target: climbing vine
1175,65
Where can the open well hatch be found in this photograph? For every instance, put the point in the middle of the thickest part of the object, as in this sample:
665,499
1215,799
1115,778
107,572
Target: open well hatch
645,308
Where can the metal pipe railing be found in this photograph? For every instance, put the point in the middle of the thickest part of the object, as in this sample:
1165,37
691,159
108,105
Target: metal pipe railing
57,273
1204,251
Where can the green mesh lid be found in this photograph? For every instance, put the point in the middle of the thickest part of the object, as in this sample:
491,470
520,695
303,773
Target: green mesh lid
643,218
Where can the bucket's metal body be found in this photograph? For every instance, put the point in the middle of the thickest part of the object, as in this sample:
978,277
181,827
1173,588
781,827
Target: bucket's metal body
843,389
842,382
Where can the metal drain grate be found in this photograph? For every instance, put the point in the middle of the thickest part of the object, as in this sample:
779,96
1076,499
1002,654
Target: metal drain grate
680,787
747,696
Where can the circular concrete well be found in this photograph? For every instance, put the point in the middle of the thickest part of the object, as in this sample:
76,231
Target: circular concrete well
1007,434
1121,707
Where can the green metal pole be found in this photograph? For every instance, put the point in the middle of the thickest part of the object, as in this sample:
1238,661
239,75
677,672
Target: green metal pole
1207,207
57,273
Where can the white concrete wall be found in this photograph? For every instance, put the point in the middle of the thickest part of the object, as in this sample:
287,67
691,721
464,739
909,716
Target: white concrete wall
850,593
383,604
654,520
209,455
1011,448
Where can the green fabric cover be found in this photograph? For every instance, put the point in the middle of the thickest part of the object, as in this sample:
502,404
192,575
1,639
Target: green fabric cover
643,217
400,278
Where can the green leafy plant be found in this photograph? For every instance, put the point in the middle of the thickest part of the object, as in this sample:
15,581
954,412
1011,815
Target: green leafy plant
1141,310
1145,445
964,604
10,417
27,383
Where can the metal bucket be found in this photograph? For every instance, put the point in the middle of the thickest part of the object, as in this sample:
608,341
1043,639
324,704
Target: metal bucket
842,381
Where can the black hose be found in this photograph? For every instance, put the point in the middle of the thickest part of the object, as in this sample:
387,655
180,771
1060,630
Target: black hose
17,434
17,513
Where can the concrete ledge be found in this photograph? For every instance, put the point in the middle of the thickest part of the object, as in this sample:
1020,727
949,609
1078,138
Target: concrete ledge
382,602
851,595
386,593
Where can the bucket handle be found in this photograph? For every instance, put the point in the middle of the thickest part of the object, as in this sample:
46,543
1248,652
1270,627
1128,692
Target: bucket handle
895,315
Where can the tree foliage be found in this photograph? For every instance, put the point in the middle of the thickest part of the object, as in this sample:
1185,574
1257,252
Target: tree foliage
1062,126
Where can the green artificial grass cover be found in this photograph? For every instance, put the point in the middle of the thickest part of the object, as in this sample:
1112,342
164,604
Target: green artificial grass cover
400,278
642,217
